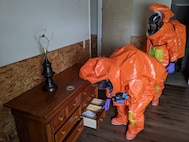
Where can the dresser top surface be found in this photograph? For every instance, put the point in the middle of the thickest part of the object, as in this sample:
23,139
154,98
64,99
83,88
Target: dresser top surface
39,103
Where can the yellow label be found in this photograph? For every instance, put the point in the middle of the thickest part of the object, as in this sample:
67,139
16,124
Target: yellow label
157,53
132,122
157,88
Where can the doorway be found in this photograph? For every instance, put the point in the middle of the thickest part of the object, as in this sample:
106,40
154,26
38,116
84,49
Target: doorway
180,76
114,23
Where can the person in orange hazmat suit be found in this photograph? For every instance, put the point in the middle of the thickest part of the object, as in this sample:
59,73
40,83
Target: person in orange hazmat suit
162,40
132,79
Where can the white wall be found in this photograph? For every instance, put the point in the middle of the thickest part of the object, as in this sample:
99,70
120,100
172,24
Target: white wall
94,16
141,14
20,20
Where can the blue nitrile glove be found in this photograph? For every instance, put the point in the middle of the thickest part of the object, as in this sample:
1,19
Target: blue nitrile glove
107,104
171,67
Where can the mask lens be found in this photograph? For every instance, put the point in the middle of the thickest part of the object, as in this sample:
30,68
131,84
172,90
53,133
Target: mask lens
104,85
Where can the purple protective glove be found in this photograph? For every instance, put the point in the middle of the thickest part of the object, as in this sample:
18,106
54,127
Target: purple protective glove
107,104
120,101
171,67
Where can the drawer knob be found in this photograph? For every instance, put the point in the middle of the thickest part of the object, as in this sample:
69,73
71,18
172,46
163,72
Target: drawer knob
61,118
76,117
63,132
101,120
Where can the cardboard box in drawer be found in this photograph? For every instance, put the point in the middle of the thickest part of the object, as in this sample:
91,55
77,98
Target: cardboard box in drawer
94,115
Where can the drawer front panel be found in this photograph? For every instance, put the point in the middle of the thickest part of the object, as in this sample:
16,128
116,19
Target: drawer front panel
73,105
85,103
101,119
76,132
59,119
65,129
88,91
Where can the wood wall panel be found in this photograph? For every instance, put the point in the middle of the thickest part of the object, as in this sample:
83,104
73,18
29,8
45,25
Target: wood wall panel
94,50
138,41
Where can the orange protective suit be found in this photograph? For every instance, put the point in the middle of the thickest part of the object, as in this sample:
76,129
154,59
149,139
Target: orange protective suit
164,41
134,72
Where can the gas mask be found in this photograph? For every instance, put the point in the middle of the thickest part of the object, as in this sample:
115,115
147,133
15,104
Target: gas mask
155,22
104,85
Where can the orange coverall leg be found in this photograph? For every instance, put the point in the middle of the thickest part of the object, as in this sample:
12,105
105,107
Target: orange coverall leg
136,114
122,114
136,110
159,90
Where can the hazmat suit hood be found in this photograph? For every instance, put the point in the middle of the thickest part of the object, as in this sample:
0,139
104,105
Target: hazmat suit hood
163,10
100,68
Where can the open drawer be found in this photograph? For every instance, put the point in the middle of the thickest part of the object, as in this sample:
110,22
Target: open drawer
94,115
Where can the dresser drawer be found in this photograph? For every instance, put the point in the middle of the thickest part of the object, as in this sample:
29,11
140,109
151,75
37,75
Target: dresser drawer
95,119
59,119
100,119
73,105
77,130
86,96
88,92
85,103
65,129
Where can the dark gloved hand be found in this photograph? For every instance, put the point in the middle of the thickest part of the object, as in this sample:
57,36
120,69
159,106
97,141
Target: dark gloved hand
124,96
171,67
104,85
107,104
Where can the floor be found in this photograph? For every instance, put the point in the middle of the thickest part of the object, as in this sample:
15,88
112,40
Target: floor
168,122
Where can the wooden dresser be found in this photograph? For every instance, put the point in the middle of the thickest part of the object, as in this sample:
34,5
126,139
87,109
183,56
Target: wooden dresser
53,117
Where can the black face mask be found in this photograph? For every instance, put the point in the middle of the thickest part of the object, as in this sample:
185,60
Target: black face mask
154,23
104,85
